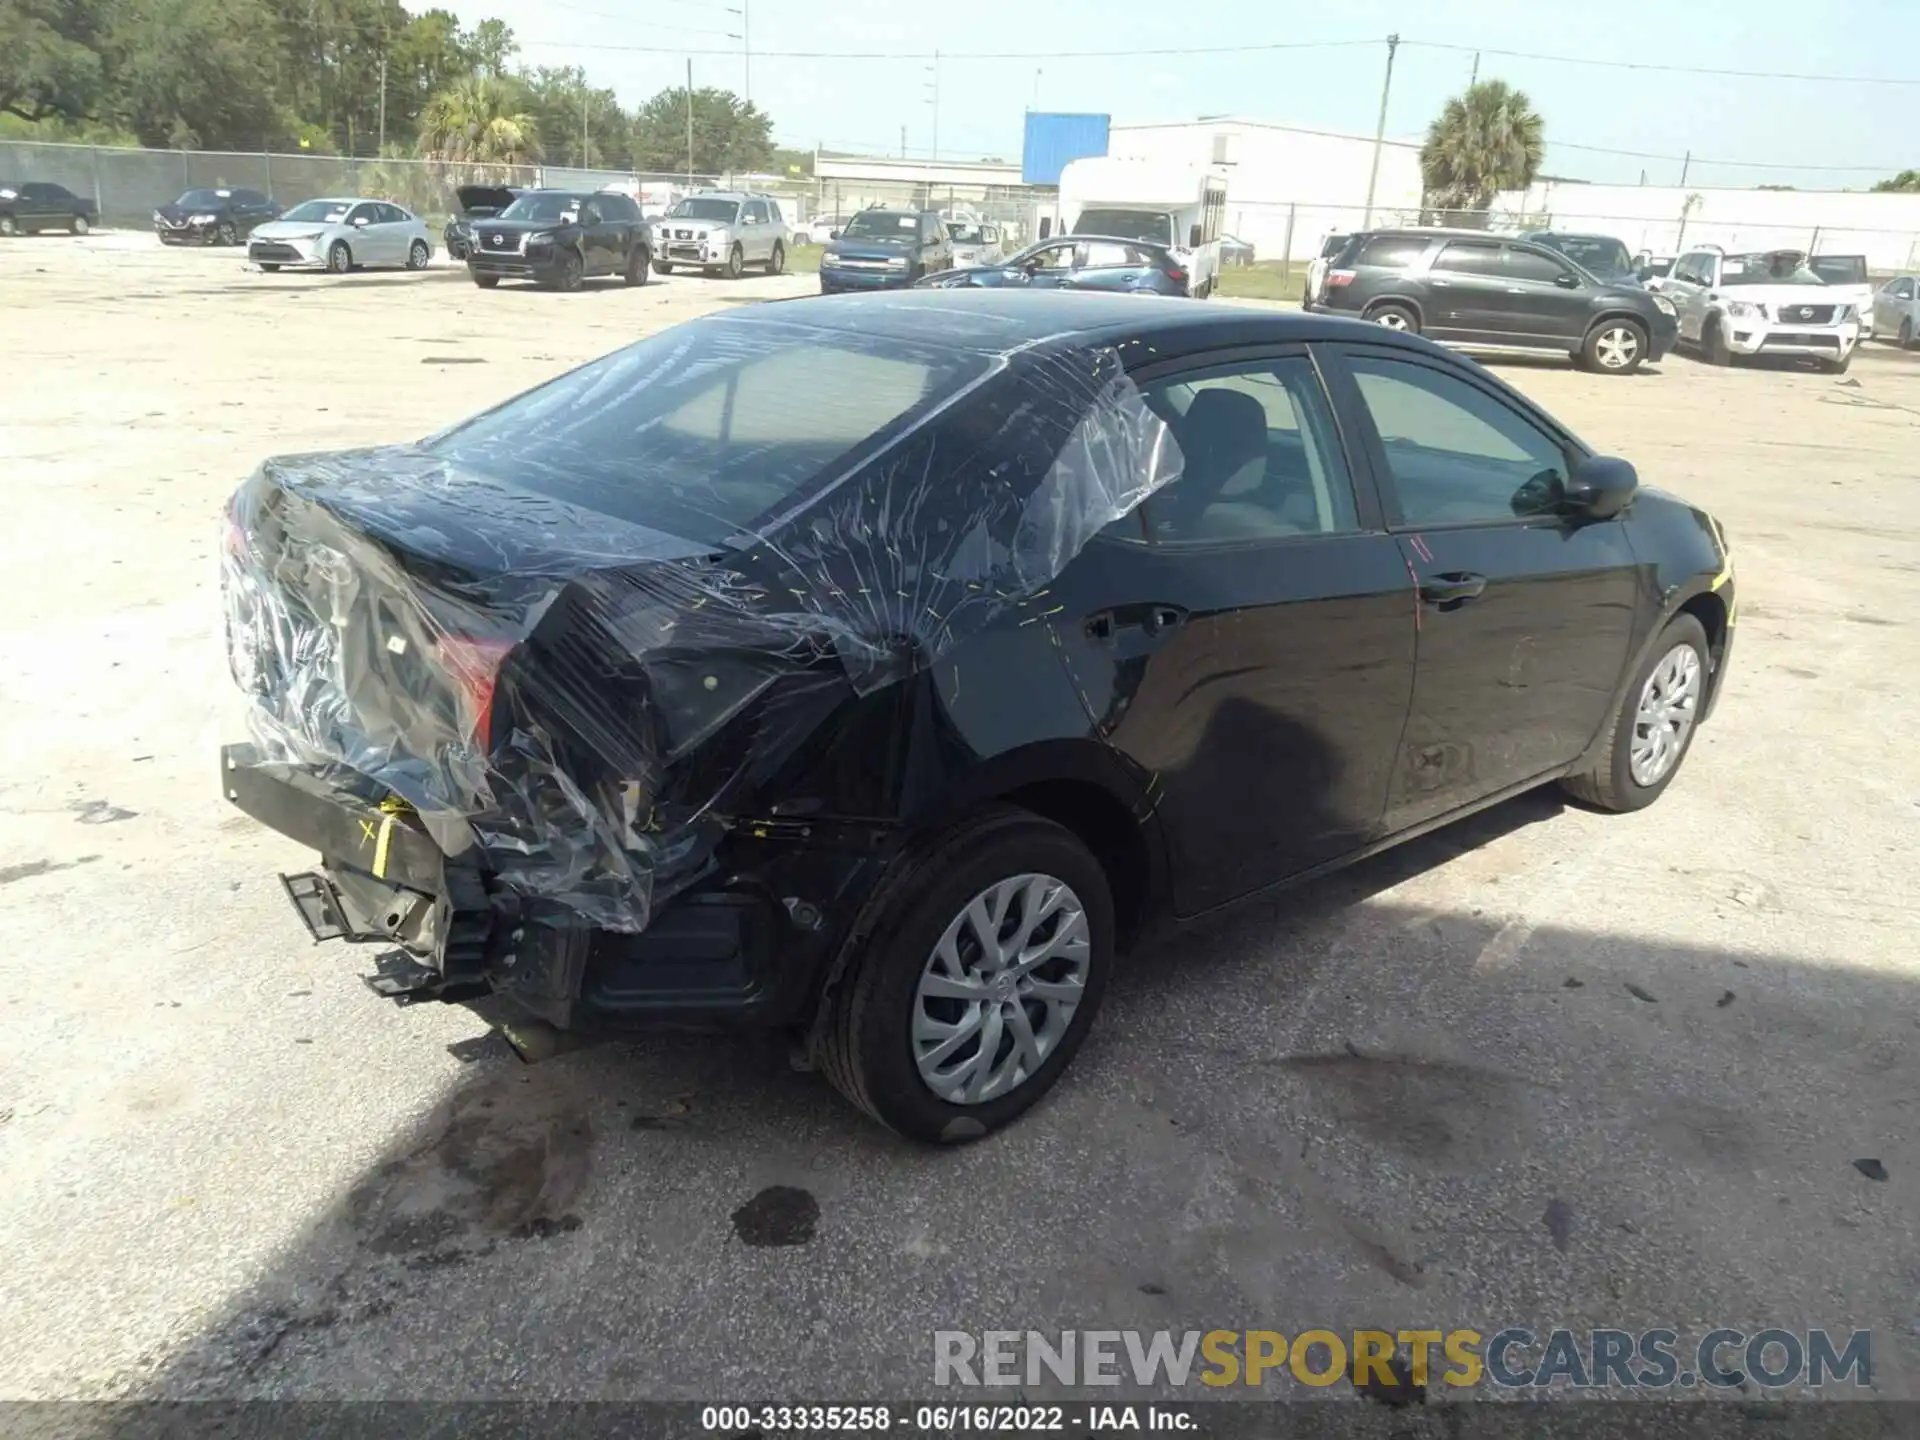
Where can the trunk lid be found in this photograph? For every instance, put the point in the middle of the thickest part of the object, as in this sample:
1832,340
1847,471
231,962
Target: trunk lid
478,201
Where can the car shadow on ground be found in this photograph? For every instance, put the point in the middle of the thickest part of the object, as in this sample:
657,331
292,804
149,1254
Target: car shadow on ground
1330,1097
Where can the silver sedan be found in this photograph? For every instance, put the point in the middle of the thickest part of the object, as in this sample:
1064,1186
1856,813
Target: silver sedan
1896,310
341,235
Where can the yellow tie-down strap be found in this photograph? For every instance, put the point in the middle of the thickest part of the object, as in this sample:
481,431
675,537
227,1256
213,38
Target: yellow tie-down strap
391,809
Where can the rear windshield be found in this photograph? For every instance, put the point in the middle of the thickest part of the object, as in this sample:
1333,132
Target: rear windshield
1154,225
1333,246
1840,269
704,429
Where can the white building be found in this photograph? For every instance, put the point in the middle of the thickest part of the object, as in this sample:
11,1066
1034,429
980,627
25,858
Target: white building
1883,227
1287,186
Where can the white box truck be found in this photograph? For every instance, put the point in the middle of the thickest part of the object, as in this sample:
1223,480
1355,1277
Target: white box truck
1177,206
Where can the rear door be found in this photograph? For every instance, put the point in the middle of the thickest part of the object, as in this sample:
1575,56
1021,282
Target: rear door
1892,305
1525,618
1245,638
1108,265
1463,288
396,233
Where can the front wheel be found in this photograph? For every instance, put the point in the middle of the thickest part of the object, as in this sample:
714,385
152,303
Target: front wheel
972,978
339,258
637,266
1614,347
486,282
572,271
1713,344
79,225
9,226
418,255
1395,317
1654,726
777,261
736,262
1906,333
1837,367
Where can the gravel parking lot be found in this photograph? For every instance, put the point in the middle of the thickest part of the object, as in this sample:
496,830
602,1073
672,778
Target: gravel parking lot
1543,1068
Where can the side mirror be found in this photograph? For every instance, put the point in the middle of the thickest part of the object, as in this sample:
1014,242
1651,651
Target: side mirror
1193,237
833,234
361,222
1600,487
1567,280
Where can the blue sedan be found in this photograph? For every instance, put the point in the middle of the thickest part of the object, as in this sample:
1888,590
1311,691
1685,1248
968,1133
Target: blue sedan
1075,262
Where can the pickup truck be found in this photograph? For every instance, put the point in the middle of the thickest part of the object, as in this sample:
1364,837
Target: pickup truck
38,205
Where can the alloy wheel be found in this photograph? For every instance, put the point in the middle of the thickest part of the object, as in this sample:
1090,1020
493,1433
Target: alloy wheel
1669,704
1000,989
1392,319
1616,348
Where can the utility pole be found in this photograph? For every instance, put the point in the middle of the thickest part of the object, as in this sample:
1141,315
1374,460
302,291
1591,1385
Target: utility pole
1036,91
1474,78
689,122
383,102
1380,130
934,91
903,142
584,94
1686,165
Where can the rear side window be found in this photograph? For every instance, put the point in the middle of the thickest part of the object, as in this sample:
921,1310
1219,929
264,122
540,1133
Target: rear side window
1392,252
1469,257
1333,246
700,430
1111,252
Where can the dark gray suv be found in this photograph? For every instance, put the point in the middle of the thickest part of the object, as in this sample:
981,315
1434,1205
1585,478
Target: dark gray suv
1478,291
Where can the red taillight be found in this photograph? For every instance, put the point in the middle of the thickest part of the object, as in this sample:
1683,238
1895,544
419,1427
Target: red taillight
474,667
1176,274
236,536
1337,278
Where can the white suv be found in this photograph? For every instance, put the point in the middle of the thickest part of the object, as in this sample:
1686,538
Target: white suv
721,232
1765,302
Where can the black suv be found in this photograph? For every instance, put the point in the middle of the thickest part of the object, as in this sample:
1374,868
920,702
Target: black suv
558,238
1478,291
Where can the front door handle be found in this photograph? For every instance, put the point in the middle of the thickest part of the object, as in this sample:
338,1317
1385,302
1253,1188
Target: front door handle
1453,589
1153,620
1162,618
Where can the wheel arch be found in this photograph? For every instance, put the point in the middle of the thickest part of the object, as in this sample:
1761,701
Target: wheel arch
1405,302
1618,314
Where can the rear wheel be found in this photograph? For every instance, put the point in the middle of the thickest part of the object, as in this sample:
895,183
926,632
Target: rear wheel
777,261
9,225
339,258
79,225
637,266
972,978
736,262
1614,347
417,255
1395,316
1713,343
1654,726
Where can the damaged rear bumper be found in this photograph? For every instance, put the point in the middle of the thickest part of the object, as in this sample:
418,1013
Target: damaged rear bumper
746,948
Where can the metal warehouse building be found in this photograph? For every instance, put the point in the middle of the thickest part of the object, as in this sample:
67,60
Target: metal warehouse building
1287,186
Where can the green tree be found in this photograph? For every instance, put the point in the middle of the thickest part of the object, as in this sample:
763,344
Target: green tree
427,54
1906,180
1487,139
492,45
50,64
479,121
728,133
559,99
195,73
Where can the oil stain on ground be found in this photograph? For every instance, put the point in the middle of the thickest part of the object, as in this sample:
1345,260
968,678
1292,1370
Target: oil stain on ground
778,1215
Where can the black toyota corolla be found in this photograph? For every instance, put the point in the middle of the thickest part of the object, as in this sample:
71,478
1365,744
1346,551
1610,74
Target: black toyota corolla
881,666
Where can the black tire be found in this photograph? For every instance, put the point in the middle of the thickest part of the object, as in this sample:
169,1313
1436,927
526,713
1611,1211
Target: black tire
226,234
339,258
736,262
777,261
269,268
1604,342
1395,316
1905,341
9,226
572,272
1306,297
661,267
863,1044
1610,785
638,266
1713,343
79,225
419,254
486,282
1837,367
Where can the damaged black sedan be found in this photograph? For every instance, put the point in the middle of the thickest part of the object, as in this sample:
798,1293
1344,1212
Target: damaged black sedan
880,667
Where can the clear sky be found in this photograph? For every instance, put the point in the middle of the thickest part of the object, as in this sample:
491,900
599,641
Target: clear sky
1798,132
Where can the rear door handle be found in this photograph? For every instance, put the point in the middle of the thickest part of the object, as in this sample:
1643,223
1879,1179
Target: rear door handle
1153,620
1453,588
1162,618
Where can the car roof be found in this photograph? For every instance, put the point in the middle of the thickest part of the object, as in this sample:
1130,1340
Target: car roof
995,321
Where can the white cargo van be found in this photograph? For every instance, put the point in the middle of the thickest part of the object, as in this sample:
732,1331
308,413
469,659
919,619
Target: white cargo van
1172,205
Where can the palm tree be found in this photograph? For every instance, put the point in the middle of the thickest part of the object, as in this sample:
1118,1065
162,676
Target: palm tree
1485,140
479,121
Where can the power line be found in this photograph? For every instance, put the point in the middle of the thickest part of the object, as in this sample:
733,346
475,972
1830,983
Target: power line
1665,69
961,55
1735,164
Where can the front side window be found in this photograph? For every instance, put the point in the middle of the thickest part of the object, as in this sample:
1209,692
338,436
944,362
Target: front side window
1261,457
1057,257
1455,453
1522,264
1901,289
